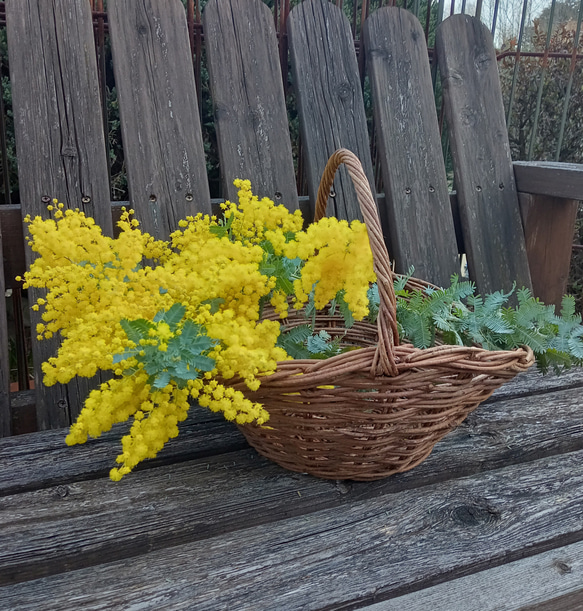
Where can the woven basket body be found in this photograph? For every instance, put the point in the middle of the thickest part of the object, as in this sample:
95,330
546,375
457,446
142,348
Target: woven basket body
379,408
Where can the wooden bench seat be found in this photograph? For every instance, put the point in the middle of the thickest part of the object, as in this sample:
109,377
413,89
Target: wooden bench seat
491,520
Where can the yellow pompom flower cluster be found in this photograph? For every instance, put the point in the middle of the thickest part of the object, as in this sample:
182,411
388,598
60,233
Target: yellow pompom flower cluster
101,293
337,258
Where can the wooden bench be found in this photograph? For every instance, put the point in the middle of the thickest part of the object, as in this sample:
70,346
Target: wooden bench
61,149
492,520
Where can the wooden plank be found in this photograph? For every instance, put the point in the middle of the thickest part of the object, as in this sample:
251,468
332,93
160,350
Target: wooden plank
549,226
34,461
5,415
484,176
158,105
216,494
329,99
532,581
60,142
421,226
550,178
357,554
247,90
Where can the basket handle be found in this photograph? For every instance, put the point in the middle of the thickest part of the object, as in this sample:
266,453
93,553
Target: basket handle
384,360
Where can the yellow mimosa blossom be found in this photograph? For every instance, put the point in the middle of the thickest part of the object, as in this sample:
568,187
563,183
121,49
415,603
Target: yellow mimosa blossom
112,302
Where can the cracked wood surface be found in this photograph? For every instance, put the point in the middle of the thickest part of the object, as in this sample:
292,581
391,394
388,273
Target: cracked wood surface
210,523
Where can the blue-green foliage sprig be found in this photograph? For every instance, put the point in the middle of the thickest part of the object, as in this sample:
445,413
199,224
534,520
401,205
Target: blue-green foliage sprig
185,356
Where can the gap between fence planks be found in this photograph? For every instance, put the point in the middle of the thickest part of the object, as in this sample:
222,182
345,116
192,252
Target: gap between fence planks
248,98
211,495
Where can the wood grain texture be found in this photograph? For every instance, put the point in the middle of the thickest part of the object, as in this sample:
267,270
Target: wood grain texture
32,462
5,414
549,227
215,494
158,105
421,226
60,143
533,581
362,552
484,176
550,178
247,90
329,99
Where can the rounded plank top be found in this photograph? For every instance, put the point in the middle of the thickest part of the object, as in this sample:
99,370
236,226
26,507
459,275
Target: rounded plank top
409,145
161,131
484,177
329,99
248,97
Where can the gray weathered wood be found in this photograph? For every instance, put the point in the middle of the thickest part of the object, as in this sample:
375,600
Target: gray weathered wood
550,178
158,105
5,416
510,587
30,462
494,436
247,90
60,142
329,99
360,553
549,226
484,176
421,226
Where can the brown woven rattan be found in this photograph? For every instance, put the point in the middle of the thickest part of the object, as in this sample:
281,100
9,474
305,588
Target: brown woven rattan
380,408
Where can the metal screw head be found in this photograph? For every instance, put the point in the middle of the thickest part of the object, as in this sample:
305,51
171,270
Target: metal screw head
478,188
277,195
332,192
408,190
501,186
431,189
85,199
153,198
188,197
45,199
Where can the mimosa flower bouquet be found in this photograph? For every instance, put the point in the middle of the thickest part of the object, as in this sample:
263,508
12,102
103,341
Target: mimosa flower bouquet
293,334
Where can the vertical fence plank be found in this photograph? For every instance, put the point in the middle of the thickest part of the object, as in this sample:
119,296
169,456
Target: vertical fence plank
160,123
329,98
484,176
420,220
60,143
247,89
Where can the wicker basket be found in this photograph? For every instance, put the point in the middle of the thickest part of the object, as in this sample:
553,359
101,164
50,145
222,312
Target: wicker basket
378,409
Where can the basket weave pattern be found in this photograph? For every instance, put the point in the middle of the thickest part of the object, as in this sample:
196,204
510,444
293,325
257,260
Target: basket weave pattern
379,408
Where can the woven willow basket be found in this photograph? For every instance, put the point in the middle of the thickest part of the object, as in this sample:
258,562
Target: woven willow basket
380,408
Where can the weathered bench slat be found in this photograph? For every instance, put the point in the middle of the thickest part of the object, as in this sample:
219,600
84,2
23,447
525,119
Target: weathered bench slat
531,581
160,122
60,142
329,99
484,177
358,553
420,220
247,90
491,438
